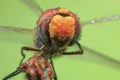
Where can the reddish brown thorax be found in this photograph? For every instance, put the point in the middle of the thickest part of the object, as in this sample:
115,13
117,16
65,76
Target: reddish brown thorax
37,66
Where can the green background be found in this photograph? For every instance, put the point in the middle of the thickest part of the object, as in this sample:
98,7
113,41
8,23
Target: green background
102,37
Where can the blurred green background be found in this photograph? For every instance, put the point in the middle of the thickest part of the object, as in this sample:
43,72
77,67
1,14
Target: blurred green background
102,37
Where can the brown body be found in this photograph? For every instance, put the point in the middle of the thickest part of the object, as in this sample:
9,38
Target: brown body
37,68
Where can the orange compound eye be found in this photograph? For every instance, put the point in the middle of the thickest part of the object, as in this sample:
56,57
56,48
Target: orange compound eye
62,27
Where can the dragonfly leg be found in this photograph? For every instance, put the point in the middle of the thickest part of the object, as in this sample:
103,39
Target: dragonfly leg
11,74
51,62
80,51
28,49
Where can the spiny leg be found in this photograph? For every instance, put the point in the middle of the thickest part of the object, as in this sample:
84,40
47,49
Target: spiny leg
12,74
51,62
74,52
29,76
28,49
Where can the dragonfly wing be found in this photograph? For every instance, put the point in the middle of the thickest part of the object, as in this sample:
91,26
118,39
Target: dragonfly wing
14,34
101,20
96,57
101,58
33,5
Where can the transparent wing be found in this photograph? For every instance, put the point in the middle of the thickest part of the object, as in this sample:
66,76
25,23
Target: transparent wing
100,58
101,20
14,34
91,55
33,5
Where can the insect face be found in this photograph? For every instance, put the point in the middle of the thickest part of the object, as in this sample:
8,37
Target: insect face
58,27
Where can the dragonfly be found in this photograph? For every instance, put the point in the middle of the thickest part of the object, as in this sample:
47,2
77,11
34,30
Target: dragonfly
35,7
